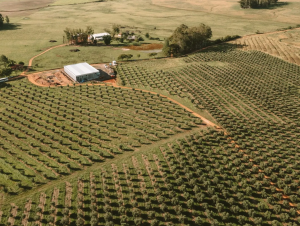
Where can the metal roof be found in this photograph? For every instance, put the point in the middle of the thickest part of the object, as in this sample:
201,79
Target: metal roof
81,69
100,35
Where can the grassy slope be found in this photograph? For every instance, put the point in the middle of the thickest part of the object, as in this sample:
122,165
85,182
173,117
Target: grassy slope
256,167
33,32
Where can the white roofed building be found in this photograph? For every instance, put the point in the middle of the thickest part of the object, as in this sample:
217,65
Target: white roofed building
81,72
99,36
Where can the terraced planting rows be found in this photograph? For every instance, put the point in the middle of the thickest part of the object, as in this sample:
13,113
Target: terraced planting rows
46,133
250,85
136,76
203,179
255,98
246,174
270,45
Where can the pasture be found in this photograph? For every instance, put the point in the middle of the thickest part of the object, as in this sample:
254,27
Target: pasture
31,30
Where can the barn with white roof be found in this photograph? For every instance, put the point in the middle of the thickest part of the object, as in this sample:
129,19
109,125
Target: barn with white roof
81,72
99,36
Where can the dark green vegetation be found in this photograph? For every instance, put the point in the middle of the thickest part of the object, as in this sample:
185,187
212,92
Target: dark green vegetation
186,39
2,19
76,36
46,133
7,66
255,4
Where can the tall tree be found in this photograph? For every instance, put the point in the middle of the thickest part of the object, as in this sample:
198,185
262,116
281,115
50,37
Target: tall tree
1,20
166,48
185,39
7,19
107,39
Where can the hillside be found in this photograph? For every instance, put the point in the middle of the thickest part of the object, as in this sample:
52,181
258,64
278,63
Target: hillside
31,29
246,172
207,138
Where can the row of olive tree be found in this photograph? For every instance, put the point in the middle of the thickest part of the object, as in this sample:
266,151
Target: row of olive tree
257,3
186,39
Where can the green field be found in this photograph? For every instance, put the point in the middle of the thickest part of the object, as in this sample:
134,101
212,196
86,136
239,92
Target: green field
31,30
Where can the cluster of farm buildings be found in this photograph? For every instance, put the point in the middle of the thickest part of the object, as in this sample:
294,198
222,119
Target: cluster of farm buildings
82,72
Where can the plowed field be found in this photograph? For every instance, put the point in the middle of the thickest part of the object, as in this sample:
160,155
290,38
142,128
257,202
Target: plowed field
284,45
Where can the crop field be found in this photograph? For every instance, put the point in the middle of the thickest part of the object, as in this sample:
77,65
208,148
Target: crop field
255,97
104,155
202,179
208,138
285,45
232,80
48,132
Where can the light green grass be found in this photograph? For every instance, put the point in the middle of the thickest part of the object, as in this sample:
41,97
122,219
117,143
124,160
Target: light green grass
34,31
59,57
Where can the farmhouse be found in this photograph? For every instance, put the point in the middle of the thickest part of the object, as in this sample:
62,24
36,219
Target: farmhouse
81,72
99,36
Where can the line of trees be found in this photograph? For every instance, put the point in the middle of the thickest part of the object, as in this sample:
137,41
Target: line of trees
187,39
2,19
76,36
7,66
257,3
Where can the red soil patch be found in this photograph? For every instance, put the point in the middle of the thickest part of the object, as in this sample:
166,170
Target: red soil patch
110,81
146,47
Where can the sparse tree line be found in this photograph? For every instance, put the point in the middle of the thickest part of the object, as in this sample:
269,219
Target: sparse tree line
2,19
186,39
120,36
257,3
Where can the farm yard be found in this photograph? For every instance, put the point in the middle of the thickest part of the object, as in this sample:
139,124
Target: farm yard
58,77
207,138
49,78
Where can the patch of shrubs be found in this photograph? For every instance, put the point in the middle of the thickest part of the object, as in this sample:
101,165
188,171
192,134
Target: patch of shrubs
226,39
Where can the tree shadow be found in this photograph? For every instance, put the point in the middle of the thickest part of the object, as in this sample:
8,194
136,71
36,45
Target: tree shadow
6,26
223,47
4,85
275,6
